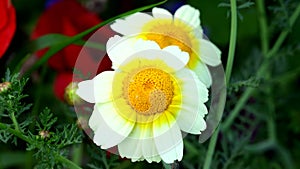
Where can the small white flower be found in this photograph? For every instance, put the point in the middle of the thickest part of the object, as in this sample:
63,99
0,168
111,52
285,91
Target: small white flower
183,30
143,105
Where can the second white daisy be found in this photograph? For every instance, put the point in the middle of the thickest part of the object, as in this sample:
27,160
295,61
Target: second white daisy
183,30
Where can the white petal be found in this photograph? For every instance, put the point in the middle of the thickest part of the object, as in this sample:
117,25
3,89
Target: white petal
203,73
209,53
140,145
131,24
178,54
112,41
141,45
156,159
137,159
125,47
95,120
192,121
202,110
85,91
103,86
168,139
175,59
148,147
114,47
198,32
188,14
131,147
192,110
113,128
193,89
161,13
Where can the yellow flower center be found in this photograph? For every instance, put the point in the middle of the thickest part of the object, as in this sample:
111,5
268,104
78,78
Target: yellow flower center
150,91
166,32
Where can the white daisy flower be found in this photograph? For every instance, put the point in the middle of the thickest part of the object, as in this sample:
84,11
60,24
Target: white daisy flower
143,105
183,30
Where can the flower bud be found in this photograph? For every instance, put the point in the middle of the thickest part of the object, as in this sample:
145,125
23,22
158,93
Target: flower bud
70,95
4,86
44,134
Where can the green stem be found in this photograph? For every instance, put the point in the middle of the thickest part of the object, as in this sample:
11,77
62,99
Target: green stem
285,157
271,110
261,146
232,45
211,149
28,140
15,132
104,161
232,42
244,98
240,104
283,78
68,162
284,34
15,122
263,26
77,153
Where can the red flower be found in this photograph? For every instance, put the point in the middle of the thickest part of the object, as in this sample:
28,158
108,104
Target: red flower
68,17
7,24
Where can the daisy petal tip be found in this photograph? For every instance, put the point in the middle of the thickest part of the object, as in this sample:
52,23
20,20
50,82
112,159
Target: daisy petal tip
146,44
85,91
188,9
178,53
97,142
196,132
137,159
111,41
214,64
103,86
210,53
105,147
203,73
188,14
161,13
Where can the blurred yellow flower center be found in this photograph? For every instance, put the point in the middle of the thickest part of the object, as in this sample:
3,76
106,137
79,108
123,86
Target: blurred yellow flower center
150,91
166,32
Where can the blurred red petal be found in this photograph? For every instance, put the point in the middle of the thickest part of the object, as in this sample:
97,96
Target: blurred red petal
61,81
105,64
7,24
66,17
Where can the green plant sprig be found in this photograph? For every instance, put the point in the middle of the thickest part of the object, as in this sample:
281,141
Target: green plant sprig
268,54
46,144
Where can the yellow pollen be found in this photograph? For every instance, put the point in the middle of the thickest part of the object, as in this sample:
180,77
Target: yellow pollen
166,33
150,91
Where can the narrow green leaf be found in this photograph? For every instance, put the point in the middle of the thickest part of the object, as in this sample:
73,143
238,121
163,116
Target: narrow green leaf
48,40
245,5
223,4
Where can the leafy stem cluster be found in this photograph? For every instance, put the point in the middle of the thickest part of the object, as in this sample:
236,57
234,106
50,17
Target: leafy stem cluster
50,145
